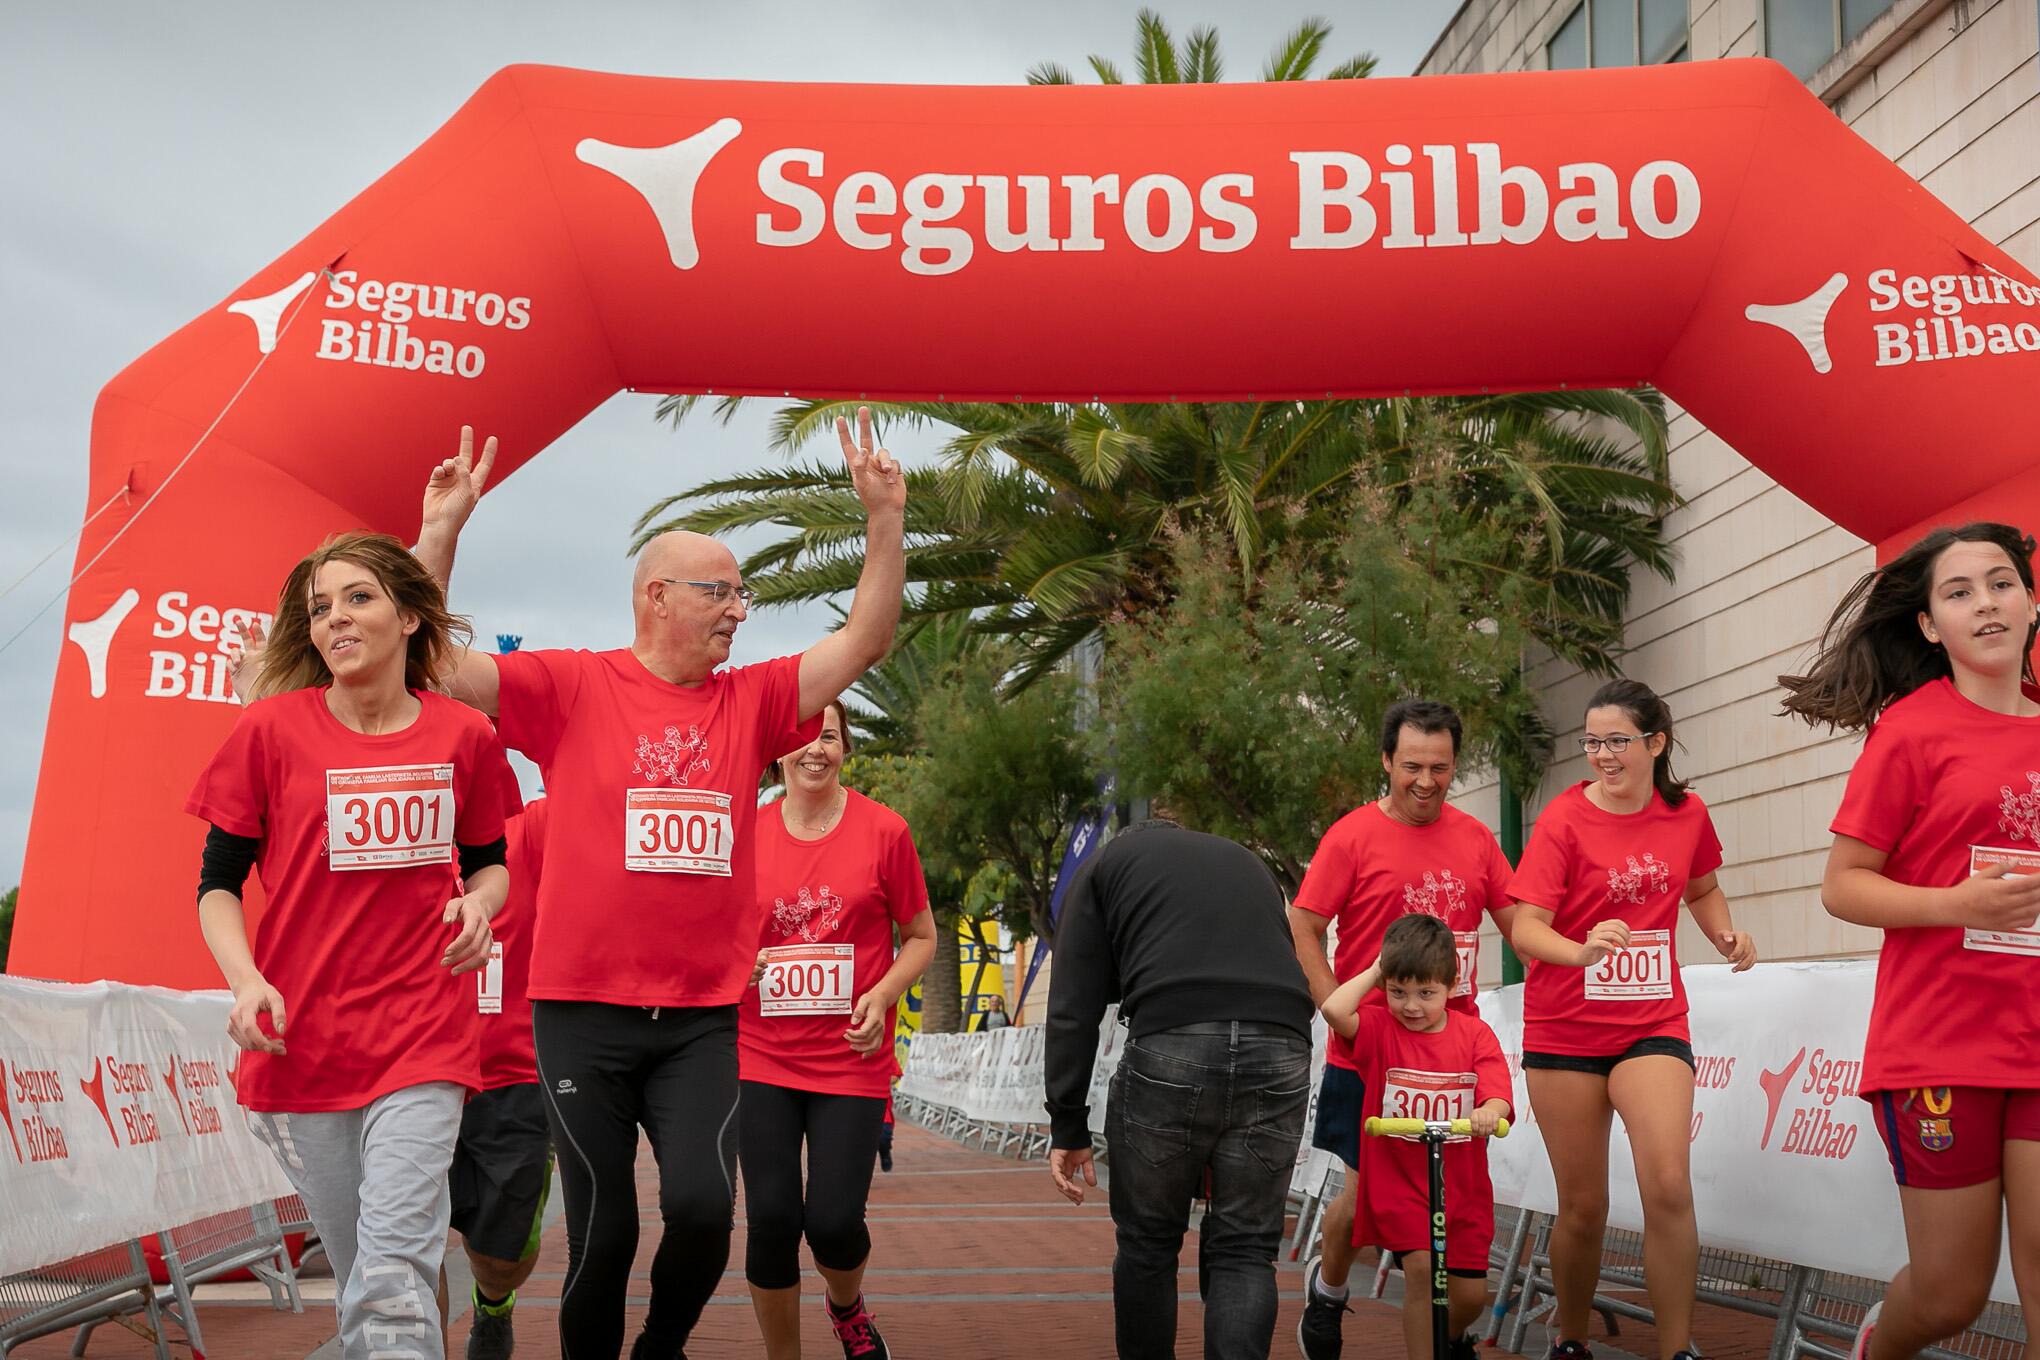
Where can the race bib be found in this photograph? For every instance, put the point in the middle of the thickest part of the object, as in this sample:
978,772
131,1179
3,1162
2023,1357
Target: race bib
677,831
808,979
2019,863
1467,944
1639,971
489,983
1407,1093
389,816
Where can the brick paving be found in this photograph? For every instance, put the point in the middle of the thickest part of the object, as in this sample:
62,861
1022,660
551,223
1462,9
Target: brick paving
973,1255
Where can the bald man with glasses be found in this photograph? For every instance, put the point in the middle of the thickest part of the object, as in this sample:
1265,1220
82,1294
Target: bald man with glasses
647,924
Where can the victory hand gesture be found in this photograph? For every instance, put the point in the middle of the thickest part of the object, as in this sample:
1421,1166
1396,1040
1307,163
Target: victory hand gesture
456,484
874,473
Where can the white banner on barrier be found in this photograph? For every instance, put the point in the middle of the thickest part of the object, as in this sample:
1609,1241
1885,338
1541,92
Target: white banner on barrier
120,1119
1787,1162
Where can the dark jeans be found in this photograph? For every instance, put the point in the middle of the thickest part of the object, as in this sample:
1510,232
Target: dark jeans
1224,1098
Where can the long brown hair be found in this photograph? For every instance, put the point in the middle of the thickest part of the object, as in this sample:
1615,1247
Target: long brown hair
1872,651
291,662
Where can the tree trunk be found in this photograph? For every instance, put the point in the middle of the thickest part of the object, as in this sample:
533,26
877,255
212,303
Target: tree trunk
941,986
941,989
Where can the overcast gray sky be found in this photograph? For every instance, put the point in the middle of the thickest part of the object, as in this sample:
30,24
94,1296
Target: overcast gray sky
158,155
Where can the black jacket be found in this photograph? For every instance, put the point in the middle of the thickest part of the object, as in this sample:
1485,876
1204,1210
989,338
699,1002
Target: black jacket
1177,927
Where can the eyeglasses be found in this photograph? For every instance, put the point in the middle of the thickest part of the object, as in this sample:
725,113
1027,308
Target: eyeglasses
1592,745
719,591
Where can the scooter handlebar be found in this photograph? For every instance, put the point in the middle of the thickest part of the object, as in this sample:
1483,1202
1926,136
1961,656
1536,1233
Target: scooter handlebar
1414,1128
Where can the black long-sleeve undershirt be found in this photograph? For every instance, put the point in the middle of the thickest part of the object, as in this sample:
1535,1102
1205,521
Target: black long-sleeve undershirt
227,858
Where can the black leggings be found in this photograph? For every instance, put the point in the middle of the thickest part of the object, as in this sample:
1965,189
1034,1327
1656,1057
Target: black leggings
605,1070
842,1140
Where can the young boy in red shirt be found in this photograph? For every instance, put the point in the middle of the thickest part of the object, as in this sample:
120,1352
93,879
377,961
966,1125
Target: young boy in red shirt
1420,1060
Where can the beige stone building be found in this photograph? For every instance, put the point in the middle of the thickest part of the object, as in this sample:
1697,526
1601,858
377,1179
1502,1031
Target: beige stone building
1950,90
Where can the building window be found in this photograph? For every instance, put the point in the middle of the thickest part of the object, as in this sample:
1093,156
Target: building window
1804,34
1619,33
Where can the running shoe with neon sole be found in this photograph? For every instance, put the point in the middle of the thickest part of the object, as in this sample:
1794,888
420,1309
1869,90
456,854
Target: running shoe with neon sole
858,1333
1861,1350
491,1337
1319,1331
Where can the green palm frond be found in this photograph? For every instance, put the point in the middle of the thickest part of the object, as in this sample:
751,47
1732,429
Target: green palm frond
1049,73
675,407
1296,54
1202,65
1155,51
1354,68
1107,73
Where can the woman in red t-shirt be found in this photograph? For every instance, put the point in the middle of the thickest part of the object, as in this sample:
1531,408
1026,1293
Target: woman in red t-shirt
365,798
1937,843
836,873
1604,1007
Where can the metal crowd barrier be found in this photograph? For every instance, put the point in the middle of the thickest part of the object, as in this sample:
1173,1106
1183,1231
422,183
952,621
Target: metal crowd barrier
114,1286
1804,1303
102,1286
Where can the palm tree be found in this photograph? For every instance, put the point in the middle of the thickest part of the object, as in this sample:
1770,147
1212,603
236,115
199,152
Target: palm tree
1160,60
1043,521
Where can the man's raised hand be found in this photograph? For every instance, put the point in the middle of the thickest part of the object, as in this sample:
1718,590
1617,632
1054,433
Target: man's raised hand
456,484
874,473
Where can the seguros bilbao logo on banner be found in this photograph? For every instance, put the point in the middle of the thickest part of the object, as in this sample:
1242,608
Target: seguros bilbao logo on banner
34,1128
1921,318
393,323
1806,1092
192,1088
937,220
122,1089
203,673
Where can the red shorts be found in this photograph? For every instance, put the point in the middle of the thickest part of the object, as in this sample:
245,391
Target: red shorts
1946,1137
1397,1225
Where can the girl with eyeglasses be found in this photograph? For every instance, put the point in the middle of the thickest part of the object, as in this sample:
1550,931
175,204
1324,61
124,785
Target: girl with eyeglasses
1604,1008
1937,844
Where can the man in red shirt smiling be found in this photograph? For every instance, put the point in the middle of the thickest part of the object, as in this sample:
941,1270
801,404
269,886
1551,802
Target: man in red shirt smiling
645,939
1408,851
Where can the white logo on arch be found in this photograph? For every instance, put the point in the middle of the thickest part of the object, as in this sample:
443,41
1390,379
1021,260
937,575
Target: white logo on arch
1805,320
267,312
666,176
95,637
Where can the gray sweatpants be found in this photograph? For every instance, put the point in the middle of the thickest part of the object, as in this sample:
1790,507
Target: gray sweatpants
375,1182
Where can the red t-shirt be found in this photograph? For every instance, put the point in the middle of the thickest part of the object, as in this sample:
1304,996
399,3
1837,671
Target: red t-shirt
352,935
1585,866
827,903
509,1057
648,899
1370,868
1937,776
1409,1075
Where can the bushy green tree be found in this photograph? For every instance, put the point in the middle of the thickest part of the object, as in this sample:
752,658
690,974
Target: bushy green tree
1257,705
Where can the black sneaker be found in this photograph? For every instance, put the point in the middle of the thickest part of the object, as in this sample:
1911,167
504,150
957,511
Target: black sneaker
1571,1350
858,1333
885,1159
1318,1331
491,1337
644,1349
1463,1348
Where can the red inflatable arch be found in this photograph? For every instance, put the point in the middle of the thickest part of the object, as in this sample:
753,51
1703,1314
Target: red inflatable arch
1710,228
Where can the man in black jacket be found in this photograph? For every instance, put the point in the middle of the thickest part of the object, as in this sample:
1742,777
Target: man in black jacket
1187,933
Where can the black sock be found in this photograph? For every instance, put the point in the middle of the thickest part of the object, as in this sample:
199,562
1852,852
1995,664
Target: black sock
486,1302
834,1311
